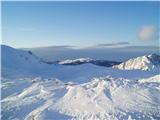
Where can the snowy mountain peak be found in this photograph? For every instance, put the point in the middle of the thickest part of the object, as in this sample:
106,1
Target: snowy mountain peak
147,62
154,58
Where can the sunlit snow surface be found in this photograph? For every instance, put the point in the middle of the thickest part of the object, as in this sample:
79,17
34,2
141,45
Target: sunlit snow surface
101,98
34,90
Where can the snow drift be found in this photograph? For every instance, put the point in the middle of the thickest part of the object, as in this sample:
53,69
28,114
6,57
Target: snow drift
101,98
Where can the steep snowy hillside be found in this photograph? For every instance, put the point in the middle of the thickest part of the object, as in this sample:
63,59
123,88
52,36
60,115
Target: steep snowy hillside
150,62
14,60
102,98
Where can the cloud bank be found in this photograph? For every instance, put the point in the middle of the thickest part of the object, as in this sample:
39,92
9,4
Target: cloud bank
148,32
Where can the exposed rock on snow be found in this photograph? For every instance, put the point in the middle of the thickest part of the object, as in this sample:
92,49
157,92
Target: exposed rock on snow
149,62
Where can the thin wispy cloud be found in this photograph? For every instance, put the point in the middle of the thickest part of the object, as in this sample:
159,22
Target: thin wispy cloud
110,45
61,46
113,44
55,47
148,32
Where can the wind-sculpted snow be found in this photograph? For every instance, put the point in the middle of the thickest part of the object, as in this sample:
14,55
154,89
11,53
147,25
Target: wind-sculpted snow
101,98
34,90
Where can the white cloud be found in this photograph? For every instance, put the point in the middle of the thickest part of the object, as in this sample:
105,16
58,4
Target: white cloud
148,32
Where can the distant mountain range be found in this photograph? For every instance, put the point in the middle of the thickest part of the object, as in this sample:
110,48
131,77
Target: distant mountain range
78,88
20,59
78,61
58,53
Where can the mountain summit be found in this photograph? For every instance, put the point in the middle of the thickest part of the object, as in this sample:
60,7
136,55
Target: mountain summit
147,62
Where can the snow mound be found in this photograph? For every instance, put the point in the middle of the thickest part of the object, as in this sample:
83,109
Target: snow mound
109,98
101,98
150,62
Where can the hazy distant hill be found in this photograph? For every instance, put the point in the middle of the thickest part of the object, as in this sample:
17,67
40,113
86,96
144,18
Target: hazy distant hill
55,53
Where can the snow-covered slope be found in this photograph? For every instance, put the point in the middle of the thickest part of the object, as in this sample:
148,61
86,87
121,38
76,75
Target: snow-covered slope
41,91
153,79
14,60
22,63
102,98
149,62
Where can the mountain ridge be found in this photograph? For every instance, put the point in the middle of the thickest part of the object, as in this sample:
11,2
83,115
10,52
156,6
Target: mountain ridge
146,62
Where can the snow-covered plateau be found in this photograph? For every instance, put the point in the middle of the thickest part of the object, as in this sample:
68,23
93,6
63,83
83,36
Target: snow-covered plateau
32,89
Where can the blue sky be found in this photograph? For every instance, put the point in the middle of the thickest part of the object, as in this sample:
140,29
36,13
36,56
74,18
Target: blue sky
33,24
